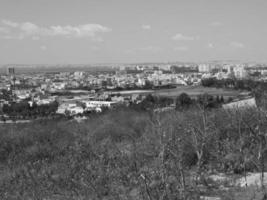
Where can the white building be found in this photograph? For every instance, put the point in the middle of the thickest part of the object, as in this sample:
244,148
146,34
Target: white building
78,75
118,99
204,68
89,103
221,75
240,72
75,110
58,85
64,107
44,101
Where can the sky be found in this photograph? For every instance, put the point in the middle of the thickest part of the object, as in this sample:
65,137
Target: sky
131,31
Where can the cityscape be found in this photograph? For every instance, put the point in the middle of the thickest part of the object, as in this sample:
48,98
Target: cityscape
76,92
133,100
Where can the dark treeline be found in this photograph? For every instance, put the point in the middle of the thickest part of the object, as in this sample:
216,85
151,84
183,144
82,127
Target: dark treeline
23,110
6,95
66,93
206,101
183,69
147,86
182,102
238,84
152,102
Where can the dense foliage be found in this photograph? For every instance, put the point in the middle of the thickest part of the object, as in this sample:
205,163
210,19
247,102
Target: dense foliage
182,102
239,84
125,154
5,95
23,110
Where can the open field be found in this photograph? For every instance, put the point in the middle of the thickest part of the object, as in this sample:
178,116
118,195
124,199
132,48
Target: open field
197,90
190,90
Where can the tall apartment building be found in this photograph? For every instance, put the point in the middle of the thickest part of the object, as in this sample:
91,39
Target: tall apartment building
240,72
205,67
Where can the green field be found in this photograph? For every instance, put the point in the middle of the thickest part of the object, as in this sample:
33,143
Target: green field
197,90
193,91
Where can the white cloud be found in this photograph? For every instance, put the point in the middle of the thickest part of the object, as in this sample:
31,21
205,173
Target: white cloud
181,37
210,45
10,23
237,45
28,29
216,24
181,48
43,47
146,27
4,30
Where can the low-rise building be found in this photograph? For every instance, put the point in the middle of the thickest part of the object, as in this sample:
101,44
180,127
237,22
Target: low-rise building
99,104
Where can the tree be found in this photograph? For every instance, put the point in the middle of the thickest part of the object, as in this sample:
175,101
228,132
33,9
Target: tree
222,99
183,101
207,101
201,129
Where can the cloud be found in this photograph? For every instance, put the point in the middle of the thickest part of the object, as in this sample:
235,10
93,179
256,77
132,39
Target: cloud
28,29
146,27
181,48
43,47
181,37
10,23
211,46
216,24
4,30
35,38
237,45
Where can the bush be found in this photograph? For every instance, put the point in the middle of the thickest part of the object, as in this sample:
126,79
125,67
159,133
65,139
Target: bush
127,154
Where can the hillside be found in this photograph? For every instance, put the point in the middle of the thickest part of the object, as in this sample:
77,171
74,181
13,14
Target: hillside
125,154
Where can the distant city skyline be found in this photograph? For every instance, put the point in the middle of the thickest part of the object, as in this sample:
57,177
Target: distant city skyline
131,31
